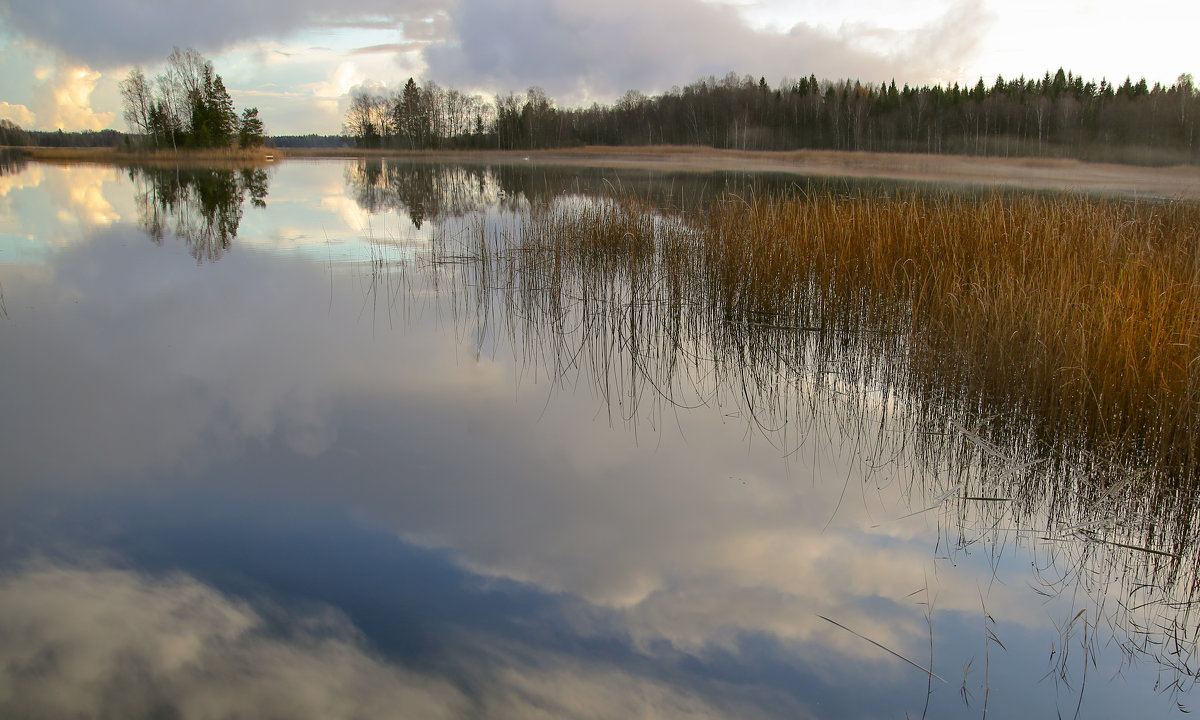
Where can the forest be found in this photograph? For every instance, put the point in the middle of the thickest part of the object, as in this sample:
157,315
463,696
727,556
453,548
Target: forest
1058,115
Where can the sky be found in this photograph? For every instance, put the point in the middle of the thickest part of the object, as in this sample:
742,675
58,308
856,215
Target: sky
298,60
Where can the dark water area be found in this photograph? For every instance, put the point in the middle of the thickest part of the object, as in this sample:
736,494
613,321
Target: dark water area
287,442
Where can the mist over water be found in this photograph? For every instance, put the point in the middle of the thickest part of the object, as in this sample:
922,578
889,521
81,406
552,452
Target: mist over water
357,439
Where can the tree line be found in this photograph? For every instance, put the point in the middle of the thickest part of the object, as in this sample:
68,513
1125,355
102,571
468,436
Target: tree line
187,106
418,117
1059,114
13,135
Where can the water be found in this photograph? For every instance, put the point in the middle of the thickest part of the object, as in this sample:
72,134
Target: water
262,454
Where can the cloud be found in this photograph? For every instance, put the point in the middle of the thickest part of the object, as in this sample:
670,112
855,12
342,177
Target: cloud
388,48
578,49
941,49
108,35
64,100
19,114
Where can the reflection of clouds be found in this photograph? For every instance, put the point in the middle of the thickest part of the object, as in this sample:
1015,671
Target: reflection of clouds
154,390
363,393
29,177
682,532
114,643
84,642
678,528
82,195
12,213
347,210
87,198
567,687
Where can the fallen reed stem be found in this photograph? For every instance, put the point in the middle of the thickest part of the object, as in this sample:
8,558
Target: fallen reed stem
918,666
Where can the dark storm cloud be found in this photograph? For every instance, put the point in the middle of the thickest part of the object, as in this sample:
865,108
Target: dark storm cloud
125,31
605,49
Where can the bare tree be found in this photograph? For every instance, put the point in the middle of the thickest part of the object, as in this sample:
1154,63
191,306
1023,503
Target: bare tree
366,120
180,83
1185,86
138,100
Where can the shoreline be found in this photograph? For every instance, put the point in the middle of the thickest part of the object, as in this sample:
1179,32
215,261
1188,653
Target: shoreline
1175,182
113,156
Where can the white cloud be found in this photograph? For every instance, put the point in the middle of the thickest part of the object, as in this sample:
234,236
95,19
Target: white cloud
64,100
19,114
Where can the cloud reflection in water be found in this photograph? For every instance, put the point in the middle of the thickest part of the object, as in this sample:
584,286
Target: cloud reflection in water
256,443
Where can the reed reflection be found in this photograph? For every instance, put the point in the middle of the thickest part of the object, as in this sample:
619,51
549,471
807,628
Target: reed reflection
1029,360
201,205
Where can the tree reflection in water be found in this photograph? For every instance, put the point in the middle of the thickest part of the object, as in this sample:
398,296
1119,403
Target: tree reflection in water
422,191
203,206
12,161
430,192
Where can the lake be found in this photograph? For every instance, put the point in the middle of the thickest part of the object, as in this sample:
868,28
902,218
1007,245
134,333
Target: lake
364,438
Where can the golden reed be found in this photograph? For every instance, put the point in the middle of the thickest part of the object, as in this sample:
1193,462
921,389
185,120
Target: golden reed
1080,314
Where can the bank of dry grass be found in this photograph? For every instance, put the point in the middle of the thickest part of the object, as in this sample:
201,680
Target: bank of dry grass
208,156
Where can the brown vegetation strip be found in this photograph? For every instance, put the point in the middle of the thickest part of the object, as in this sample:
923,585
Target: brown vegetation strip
217,157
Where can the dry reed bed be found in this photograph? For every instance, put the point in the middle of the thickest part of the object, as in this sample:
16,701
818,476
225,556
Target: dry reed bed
1042,318
1040,349
1081,313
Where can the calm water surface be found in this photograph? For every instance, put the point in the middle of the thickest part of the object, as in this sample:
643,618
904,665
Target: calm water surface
273,447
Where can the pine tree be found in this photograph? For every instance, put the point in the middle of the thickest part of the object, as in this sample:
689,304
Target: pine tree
250,129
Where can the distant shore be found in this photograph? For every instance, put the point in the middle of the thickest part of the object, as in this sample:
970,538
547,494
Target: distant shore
1181,181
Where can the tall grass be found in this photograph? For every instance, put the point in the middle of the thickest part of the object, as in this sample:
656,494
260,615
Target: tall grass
1056,336
1082,313
1062,327
1049,337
